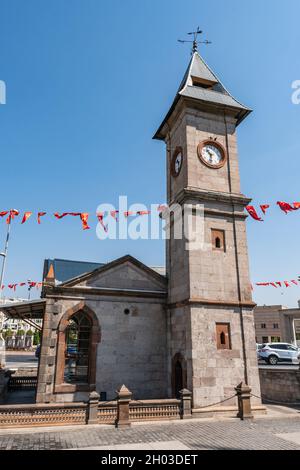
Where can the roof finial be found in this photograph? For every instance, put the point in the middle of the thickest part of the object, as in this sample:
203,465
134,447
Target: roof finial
195,41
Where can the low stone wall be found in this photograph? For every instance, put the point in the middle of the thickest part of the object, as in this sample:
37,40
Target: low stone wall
280,385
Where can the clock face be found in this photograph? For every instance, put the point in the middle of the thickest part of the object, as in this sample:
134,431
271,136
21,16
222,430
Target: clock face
212,154
177,162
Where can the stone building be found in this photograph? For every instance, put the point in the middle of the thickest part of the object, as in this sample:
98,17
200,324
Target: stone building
275,323
192,327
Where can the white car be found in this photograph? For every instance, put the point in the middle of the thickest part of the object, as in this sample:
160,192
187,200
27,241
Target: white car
272,353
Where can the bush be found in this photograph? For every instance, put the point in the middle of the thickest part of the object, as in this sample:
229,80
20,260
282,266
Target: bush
7,333
37,337
29,333
20,333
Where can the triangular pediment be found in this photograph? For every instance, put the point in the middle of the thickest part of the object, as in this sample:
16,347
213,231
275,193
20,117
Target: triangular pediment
124,273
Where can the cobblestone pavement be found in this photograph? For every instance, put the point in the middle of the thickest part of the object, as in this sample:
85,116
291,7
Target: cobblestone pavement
196,434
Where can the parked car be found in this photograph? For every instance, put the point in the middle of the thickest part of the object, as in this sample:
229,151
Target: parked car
38,351
258,348
272,353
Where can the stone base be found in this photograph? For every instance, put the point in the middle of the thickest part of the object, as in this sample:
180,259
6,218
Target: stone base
225,411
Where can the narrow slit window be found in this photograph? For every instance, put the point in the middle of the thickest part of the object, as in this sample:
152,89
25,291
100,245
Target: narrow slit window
218,240
223,336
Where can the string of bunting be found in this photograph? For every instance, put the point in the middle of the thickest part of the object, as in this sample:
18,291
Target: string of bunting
286,207
278,284
30,284
84,216
275,284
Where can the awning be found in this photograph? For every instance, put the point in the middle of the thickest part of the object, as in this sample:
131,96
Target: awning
27,311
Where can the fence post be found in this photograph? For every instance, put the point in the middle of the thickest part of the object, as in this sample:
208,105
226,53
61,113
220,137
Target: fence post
243,392
186,404
124,397
93,408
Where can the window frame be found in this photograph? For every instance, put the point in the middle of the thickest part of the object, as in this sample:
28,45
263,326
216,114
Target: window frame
60,385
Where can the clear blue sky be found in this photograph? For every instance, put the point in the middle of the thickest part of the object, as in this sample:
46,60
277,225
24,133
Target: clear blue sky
88,82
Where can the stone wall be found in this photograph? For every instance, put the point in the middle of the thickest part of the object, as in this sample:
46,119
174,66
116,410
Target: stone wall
280,385
132,348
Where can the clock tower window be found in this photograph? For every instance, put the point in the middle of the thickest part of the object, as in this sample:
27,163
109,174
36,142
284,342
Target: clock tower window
218,240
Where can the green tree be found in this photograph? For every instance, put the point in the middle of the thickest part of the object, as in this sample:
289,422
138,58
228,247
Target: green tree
37,337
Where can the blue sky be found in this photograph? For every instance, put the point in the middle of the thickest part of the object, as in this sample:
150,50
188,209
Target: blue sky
88,82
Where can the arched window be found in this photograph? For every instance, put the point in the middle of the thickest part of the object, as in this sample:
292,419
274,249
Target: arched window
179,374
222,338
218,243
77,349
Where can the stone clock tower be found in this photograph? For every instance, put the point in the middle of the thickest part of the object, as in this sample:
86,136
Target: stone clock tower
211,343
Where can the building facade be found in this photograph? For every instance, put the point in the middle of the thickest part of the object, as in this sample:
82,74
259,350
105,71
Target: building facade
193,327
275,323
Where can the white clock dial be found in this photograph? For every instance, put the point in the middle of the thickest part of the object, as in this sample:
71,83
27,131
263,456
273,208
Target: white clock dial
178,163
212,154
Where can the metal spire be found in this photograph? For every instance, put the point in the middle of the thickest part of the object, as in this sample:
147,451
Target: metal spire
195,41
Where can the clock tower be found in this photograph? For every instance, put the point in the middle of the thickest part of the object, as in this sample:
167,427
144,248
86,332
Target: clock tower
211,340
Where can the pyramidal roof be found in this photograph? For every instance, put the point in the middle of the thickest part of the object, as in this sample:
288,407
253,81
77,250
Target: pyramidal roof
200,83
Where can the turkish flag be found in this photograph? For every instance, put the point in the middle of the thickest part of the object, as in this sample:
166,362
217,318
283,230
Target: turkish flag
264,207
12,214
273,284
285,206
143,212
84,219
286,283
253,213
100,217
40,214
26,216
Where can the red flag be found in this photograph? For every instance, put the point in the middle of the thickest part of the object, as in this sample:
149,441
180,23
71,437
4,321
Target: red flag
31,283
3,213
296,205
286,283
114,214
143,212
294,282
12,286
285,207
100,217
279,283
264,284
128,213
22,284
11,216
264,207
26,216
2,287
84,219
273,284
253,213
40,214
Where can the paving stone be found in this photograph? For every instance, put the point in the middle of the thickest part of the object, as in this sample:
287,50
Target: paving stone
277,434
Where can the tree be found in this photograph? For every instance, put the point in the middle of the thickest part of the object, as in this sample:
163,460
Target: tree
37,337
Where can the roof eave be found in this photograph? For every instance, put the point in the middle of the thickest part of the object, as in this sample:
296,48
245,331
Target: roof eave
242,114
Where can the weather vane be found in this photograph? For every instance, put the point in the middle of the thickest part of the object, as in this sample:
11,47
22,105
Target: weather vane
195,41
